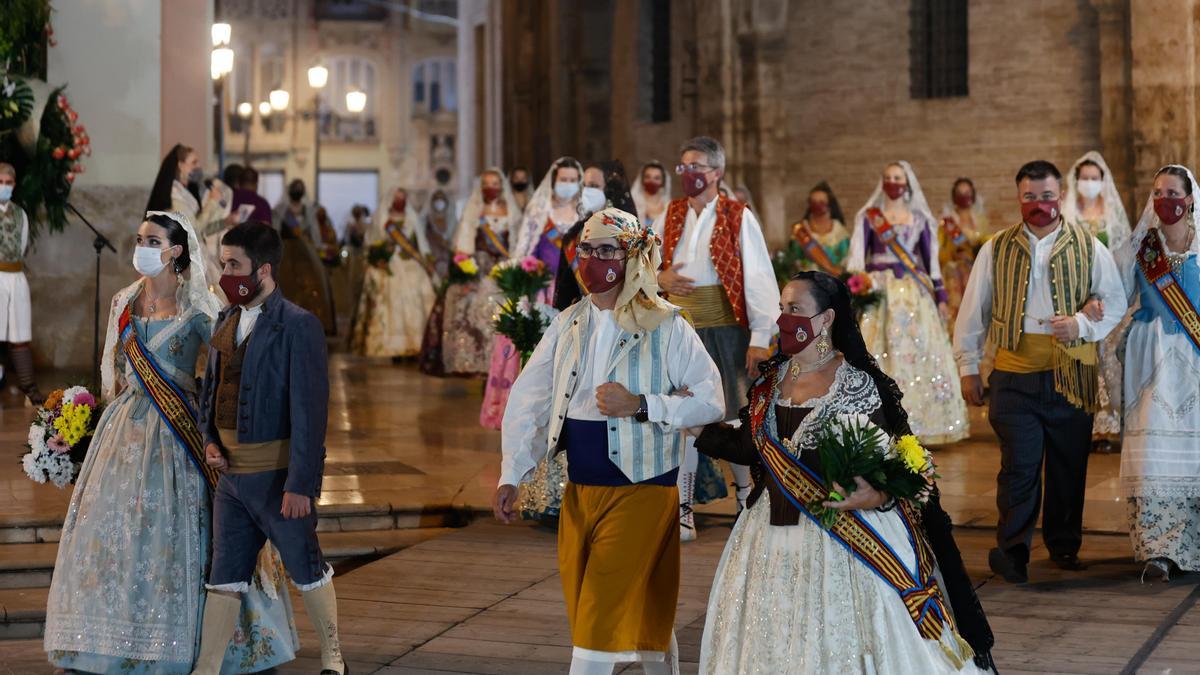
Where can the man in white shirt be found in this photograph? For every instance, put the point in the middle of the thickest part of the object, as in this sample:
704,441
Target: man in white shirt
1046,292
717,267
613,381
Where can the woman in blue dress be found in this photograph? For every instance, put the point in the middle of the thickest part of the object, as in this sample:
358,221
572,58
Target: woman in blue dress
128,589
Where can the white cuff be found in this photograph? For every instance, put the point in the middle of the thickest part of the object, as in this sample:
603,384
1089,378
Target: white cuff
761,338
1086,327
966,369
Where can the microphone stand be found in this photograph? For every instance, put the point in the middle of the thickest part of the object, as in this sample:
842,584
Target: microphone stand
99,243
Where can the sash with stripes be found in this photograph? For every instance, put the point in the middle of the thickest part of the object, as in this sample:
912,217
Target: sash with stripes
813,250
394,231
887,234
1156,267
917,588
492,239
553,234
167,398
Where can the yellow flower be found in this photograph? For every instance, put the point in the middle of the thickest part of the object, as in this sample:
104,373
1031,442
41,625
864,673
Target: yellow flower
909,449
469,266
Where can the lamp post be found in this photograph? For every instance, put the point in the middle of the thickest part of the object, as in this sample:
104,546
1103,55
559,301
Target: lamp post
318,76
220,66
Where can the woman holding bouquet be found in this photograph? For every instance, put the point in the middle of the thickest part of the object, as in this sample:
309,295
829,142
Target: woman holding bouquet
894,239
483,234
845,616
398,295
128,588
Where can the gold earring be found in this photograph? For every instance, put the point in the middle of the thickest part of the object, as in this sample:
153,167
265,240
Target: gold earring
823,344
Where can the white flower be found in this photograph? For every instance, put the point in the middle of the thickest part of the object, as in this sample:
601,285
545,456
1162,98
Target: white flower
37,439
861,421
524,307
30,463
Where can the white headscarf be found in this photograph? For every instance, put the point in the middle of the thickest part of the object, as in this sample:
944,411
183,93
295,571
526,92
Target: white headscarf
468,224
1149,223
412,223
639,195
539,207
192,295
1116,222
856,261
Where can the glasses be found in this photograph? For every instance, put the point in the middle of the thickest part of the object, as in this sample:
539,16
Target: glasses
681,168
604,252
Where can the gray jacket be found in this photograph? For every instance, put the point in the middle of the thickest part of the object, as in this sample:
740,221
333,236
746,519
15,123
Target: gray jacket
285,389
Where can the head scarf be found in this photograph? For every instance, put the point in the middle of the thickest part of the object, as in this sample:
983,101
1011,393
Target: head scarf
540,206
639,307
468,224
1116,223
639,193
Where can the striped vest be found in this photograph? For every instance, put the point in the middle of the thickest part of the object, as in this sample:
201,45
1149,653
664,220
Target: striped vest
1075,369
725,248
641,450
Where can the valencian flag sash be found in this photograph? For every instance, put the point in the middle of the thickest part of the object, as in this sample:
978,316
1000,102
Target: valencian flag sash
493,240
1152,259
917,588
167,398
887,234
813,250
394,230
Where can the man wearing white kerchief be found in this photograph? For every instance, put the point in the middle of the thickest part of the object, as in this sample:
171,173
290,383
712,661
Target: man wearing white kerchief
1028,292
615,379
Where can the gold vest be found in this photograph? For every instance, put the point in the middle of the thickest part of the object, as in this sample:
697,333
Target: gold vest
1075,363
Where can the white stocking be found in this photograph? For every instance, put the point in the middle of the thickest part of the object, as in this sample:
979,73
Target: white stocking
581,666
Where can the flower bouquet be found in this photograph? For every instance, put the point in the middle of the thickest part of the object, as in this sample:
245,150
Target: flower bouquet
785,263
379,255
862,292
520,317
523,322
60,435
854,446
463,271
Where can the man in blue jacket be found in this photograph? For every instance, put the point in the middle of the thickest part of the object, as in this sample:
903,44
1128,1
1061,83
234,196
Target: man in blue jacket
264,411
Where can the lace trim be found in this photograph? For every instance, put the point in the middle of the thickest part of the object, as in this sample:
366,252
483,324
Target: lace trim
852,392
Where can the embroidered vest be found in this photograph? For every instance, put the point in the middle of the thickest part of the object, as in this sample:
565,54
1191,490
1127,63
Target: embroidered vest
641,450
229,385
725,248
1075,369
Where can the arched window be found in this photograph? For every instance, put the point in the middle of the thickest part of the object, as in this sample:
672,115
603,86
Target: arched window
435,86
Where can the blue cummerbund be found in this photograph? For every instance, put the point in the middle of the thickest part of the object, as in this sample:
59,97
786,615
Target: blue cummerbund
588,463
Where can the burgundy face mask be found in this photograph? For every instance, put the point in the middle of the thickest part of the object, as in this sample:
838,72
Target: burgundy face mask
240,289
894,190
795,333
818,208
490,194
1170,209
1039,214
694,182
599,275
963,201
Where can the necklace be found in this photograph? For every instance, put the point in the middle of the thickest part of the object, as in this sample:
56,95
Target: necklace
796,369
152,306
1176,260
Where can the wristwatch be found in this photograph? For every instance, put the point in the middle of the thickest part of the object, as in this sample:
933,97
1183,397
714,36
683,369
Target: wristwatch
643,411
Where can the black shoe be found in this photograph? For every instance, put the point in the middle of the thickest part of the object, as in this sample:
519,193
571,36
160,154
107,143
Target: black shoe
345,671
1013,572
1069,562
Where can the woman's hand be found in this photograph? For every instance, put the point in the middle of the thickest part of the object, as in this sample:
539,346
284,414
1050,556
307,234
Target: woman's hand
863,498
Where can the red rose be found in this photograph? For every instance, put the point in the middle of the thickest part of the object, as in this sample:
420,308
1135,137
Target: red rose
74,115
58,153
70,177
73,154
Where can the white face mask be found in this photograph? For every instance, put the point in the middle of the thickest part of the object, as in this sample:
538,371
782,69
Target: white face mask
593,199
148,261
566,190
5,192
1090,188
438,205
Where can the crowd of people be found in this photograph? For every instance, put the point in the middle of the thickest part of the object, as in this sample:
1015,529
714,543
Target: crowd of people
680,340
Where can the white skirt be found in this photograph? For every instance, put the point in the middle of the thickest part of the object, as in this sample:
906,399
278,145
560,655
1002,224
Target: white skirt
1160,453
793,600
16,323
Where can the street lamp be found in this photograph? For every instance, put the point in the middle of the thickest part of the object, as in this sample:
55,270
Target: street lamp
245,110
279,99
318,76
265,109
220,66
356,101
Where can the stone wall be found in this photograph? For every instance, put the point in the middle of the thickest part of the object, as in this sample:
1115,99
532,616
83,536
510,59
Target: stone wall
61,269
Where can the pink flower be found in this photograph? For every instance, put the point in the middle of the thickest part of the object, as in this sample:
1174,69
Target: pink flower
531,264
58,445
855,285
459,257
85,398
